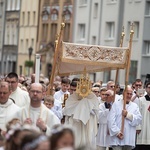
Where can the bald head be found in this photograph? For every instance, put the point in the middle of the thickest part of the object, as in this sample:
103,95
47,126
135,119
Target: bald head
36,85
4,84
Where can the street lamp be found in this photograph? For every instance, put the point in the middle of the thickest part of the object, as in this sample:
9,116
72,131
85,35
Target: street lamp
30,52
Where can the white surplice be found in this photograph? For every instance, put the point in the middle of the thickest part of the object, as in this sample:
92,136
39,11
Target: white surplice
49,118
83,116
115,120
144,136
7,112
102,138
20,97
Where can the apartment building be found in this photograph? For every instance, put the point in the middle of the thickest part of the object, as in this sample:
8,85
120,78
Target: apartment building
10,43
2,17
100,22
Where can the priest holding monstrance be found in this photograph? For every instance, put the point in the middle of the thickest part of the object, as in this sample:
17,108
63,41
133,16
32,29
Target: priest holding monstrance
81,111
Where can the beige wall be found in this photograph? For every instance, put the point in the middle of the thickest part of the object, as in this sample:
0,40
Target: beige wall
28,31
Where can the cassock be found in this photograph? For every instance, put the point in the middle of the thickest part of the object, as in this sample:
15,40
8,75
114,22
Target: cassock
82,114
102,138
7,112
20,97
132,120
144,136
49,118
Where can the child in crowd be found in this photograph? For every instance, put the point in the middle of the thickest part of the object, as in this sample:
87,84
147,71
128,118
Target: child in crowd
49,103
62,137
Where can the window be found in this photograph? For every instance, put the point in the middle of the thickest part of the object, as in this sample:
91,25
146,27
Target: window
17,4
32,42
81,31
45,15
21,46
53,31
93,40
27,45
106,76
23,17
133,71
45,32
147,10
83,2
135,28
95,13
54,15
34,18
13,6
146,49
8,4
66,32
110,27
28,18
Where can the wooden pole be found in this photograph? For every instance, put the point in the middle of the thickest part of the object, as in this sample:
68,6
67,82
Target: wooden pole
127,74
57,46
117,71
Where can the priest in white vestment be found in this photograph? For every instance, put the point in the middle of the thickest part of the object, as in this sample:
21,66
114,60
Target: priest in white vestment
82,114
143,136
7,107
125,140
37,114
20,96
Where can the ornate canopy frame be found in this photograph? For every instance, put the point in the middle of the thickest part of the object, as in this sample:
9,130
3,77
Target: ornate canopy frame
72,58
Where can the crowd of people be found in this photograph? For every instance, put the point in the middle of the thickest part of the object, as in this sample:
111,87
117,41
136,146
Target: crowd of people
30,119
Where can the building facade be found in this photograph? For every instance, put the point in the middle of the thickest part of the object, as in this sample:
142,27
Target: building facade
29,14
2,18
100,22
52,13
11,30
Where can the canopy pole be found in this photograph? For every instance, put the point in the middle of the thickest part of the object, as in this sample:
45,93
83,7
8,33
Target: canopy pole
117,71
57,46
127,75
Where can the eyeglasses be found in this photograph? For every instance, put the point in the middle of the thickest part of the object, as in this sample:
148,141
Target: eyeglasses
138,85
4,93
96,91
11,82
112,86
129,94
107,95
34,91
